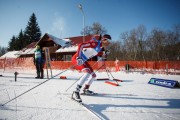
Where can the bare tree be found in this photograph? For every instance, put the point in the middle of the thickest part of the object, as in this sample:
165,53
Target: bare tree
141,36
96,28
177,39
172,48
125,38
157,43
87,30
130,44
134,43
115,50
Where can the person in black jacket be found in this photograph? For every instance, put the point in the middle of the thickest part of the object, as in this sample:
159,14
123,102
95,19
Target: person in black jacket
39,62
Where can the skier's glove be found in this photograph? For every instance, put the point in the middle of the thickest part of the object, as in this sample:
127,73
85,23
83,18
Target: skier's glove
79,61
107,52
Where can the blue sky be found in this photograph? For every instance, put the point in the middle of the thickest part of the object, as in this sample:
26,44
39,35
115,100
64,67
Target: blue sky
62,18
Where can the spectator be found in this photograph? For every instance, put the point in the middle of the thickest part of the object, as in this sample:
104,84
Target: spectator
39,62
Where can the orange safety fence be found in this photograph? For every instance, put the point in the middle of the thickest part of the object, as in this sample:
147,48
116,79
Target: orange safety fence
27,63
152,64
17,63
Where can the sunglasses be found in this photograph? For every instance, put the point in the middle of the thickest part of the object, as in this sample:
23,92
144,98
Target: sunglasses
106,39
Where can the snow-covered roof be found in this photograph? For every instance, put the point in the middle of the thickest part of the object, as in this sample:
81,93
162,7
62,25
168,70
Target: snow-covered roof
61,42
26,51
10,54
67,49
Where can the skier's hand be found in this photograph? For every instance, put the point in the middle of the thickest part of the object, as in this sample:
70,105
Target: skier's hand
79,61
107,52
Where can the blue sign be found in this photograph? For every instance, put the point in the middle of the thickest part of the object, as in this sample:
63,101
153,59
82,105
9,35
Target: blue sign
163,82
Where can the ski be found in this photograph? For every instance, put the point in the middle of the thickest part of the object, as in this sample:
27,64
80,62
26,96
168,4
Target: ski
93,94
99,94
81,103
88,109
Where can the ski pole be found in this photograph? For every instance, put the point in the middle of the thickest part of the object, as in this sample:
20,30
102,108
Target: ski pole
113,77
106,71
38,85
110,74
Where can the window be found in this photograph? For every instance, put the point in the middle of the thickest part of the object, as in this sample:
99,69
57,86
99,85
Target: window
67,57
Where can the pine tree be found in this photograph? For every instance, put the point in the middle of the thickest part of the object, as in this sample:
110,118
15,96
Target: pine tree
3,50
32,32
12,44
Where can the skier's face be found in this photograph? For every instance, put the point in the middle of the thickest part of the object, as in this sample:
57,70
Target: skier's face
105,42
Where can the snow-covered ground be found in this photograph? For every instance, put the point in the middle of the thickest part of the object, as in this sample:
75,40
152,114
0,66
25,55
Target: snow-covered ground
134,99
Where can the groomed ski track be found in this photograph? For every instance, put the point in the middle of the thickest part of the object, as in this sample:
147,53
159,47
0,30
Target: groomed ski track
134,99
87,108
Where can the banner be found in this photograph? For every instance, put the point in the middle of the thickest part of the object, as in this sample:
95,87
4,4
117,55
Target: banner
164,82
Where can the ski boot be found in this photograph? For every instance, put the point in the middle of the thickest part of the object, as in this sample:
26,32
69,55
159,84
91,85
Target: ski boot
88,92
76,96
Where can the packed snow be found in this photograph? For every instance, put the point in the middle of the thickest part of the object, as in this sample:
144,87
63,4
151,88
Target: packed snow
133,99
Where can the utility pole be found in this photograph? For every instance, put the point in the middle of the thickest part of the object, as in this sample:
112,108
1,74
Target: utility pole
81,9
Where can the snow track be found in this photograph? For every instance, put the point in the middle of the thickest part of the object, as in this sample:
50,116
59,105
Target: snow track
134,99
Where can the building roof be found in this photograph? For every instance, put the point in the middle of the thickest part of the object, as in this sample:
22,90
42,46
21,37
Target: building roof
79,39
62,42
67,49
26,51
10,54
32,45
58,41
75,41
29,49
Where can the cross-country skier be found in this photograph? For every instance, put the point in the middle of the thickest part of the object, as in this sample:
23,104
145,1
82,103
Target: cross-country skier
95,47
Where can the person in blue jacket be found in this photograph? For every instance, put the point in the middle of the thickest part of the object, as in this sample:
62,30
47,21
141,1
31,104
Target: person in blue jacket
39,62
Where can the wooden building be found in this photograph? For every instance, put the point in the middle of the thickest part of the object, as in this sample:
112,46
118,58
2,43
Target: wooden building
60,49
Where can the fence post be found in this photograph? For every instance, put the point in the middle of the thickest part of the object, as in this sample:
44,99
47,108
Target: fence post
16,73
166,69
127,66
